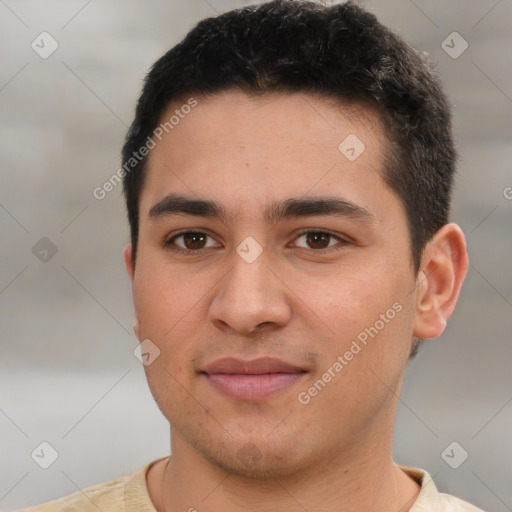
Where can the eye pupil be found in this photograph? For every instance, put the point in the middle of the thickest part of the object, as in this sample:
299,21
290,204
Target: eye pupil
192,240
316,238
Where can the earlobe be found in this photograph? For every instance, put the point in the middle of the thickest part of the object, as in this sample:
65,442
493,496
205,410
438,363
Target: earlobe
443,269
136,329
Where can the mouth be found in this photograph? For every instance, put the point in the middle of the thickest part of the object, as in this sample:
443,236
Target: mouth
251,380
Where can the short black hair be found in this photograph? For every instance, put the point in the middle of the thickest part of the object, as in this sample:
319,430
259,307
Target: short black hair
338,51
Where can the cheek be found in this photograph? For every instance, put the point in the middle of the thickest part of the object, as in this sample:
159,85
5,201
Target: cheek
374,309
344,301
163,298
167,314
370,331
166,317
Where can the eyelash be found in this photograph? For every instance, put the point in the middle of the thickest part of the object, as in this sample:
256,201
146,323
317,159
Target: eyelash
169,243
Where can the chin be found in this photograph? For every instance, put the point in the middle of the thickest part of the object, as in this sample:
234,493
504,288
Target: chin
257,456
248,462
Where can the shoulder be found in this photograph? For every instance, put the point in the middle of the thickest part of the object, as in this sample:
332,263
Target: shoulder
121,494
430,499
109,494
449,503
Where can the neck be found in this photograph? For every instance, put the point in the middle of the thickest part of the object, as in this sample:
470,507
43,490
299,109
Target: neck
352,480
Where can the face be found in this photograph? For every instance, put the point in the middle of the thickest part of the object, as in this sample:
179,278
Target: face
281,307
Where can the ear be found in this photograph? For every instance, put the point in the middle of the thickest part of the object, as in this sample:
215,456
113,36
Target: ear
130,268
128,261
444,264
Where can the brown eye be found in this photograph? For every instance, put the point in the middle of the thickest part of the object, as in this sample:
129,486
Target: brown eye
318,240
190,242
194,240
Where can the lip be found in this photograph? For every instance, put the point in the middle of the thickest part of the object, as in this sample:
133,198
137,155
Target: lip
251,380
232,365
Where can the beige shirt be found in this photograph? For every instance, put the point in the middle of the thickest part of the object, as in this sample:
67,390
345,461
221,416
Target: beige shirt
130,494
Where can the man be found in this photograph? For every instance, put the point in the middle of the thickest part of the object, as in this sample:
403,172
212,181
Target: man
287,178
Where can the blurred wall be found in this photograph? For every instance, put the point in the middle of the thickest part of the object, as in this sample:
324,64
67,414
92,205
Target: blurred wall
68,374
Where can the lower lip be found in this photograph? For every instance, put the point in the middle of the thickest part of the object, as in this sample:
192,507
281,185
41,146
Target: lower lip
252,387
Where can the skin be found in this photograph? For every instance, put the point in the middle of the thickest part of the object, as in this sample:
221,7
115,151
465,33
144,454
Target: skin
297,301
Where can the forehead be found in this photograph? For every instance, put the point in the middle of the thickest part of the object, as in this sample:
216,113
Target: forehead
242,148
235,114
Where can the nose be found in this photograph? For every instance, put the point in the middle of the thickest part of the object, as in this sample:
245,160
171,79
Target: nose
249,296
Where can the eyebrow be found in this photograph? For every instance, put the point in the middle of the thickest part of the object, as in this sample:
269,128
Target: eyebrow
175,204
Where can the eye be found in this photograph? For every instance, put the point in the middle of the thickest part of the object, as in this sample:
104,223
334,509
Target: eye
189,242
319,240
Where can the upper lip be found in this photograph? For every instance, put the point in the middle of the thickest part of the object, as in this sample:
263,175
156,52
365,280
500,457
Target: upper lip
231,365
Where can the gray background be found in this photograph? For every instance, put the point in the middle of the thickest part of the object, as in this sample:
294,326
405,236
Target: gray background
68,375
